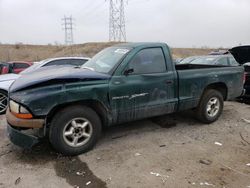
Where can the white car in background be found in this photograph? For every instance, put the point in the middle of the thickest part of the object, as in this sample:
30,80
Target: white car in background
7,79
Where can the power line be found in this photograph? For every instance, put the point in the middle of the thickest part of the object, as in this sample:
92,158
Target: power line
68,30
117,28
139,1
91,10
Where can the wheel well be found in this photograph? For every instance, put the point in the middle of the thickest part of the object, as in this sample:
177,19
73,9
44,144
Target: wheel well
97,106
4,91
221,87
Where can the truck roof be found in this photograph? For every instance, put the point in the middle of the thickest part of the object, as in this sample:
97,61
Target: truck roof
141,44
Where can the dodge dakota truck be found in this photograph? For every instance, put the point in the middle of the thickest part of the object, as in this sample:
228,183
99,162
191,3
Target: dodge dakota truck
126,82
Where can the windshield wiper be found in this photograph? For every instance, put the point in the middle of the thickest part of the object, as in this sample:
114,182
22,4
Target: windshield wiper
89,68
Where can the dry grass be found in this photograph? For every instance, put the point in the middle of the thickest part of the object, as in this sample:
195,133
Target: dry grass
39,52
185,52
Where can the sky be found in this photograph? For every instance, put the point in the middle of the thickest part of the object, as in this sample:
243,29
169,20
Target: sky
180,23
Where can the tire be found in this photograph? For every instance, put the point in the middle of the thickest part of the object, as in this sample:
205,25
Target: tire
3,101
68,124
207,102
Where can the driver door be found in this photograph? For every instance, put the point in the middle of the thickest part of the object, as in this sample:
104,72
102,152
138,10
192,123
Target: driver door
146,89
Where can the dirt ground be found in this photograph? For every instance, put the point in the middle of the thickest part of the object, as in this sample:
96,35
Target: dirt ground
170,151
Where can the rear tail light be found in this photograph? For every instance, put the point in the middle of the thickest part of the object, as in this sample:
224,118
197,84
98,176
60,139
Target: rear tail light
244,77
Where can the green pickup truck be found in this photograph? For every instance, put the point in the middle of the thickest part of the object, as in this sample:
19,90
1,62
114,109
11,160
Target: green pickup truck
123,83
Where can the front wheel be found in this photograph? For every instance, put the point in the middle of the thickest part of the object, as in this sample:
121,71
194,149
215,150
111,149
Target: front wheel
75,130
3,101
210,106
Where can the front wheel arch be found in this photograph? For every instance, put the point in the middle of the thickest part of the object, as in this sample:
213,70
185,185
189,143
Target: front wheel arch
101,110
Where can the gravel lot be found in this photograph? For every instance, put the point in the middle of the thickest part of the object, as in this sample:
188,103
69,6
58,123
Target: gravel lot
169,151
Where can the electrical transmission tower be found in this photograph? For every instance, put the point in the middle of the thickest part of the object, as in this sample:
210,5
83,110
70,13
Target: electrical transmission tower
117,29
68,29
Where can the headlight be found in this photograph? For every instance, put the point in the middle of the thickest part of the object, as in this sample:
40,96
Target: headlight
23,110
19,111
14,107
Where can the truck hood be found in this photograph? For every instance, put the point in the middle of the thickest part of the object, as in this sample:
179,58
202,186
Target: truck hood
56,75
241,54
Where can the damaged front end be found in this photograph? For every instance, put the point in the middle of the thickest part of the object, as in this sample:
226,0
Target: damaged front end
33,98
22,139
24,132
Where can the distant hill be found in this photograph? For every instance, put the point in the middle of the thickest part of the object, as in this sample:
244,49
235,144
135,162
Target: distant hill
40,52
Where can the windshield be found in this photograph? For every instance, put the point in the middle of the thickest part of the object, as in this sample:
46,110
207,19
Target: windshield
205,61
106,60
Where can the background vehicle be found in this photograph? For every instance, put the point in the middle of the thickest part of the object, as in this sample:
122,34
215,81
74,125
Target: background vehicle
19,66
187,60
122,83
177,60
219,52
223,60
63,61
247,80
14,67
242,55
7,80
4,68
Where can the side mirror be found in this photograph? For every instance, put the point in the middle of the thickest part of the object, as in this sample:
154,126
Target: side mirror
128,71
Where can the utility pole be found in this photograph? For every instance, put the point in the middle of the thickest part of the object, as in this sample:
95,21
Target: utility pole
117,28
68,29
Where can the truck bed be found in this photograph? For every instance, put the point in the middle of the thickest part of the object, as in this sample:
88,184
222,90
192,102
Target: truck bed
194,78
192,66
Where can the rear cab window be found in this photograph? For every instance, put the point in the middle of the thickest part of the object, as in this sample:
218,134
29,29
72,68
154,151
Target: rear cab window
233,62
222,61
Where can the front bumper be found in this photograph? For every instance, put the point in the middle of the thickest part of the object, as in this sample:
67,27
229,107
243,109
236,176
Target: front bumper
21,139
25,123
22,131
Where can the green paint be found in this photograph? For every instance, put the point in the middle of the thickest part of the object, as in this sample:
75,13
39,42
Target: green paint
130,97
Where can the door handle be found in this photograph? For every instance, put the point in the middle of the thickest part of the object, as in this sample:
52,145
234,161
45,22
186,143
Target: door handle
116,82
168,82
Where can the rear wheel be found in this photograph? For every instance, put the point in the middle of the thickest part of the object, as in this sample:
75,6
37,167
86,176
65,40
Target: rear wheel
75,130
3,101
210,106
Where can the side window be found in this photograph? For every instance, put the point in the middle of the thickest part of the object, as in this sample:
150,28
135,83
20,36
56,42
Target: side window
20,65
233,62
148,61
56,62
77,62
74,62
222,61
